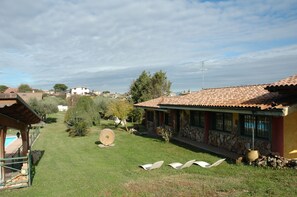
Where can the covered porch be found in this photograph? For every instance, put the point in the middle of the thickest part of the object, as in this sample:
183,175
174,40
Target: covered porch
15,113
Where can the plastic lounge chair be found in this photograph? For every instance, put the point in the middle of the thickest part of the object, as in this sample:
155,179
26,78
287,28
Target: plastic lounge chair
179,166
155,165
208,165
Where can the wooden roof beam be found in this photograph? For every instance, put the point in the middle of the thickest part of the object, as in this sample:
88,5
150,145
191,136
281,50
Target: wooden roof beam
11,122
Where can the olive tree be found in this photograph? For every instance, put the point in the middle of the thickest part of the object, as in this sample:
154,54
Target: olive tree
101,104
48,105
120,109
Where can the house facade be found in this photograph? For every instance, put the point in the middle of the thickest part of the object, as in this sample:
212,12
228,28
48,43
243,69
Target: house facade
80,91
232,118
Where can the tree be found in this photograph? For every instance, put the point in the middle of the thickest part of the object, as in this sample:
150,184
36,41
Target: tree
161,86
24,88
106,92
81,116
55,99
136,115
3,88
48,105
147,87
86,107
101,104
72,100
59,87
120,109
140,89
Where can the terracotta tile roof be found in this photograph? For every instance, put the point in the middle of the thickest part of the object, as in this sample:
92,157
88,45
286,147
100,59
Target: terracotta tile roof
284,83
28,96
265,96
251,96
154,103
10,90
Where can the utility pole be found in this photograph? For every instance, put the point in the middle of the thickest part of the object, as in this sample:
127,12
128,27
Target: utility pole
203,69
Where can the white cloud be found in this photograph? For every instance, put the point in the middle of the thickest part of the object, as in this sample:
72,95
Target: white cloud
83,42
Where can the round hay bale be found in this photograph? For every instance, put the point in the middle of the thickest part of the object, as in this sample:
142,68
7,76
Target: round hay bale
106,137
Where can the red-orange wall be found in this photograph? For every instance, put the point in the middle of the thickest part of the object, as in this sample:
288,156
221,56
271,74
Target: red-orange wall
277,138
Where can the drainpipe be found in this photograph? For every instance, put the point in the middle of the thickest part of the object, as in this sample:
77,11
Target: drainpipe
253,138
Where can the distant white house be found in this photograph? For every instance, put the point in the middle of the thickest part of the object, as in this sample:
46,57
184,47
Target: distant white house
80,91
62,107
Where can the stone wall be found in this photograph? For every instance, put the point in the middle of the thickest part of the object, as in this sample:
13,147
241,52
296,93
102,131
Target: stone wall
188,131
237,144
193,133
232,141
150,127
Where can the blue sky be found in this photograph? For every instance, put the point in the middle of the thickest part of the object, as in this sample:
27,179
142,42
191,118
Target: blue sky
104,45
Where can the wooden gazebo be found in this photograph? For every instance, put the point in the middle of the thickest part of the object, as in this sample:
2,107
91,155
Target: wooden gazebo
15,113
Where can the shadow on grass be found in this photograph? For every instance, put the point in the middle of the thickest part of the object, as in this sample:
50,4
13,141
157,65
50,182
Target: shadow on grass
98,142
196,149
50,120
142,131
107,125
36,156
112,127
176,142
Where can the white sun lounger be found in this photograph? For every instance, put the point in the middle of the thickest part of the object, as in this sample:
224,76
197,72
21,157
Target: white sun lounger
179,166
208,165
155,165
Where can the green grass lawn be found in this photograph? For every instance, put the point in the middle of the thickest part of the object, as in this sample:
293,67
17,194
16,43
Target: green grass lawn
78,167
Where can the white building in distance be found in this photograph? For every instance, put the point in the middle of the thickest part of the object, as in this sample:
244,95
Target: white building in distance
80,91
62,107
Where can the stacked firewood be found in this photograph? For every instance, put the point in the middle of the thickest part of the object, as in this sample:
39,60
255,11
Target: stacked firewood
275,161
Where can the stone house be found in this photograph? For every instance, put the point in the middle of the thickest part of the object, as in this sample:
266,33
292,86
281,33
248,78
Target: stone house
228,117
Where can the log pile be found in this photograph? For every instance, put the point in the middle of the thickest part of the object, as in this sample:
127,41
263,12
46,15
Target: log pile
275,161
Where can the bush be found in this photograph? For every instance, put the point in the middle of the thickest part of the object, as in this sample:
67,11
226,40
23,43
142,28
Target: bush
83,109
78,128
165,133
81,116
136,115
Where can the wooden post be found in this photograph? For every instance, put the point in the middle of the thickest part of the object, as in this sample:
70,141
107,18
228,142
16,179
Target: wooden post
2,151
25,140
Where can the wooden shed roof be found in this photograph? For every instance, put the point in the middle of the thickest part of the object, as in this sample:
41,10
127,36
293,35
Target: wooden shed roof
14,107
